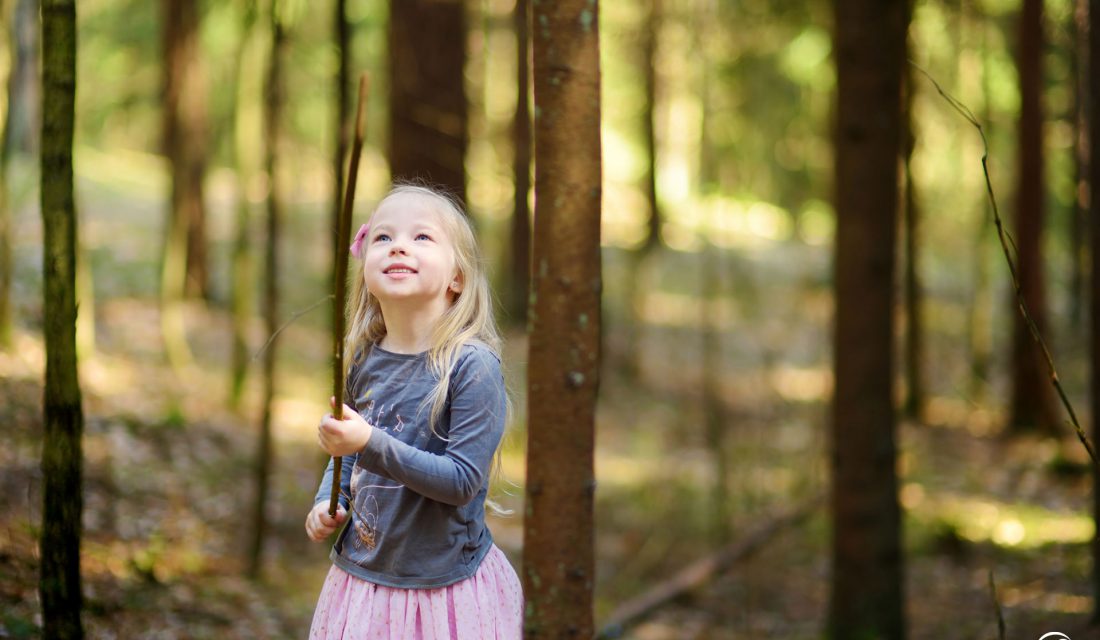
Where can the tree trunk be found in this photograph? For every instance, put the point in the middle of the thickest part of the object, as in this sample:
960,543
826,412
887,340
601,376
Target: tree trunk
62,456
564,358
914,300
649,129
275,94
185,134
1032,402
20,128
428,125
24,90
521,171
867,569
1093,114
1078,228
246,145
980,333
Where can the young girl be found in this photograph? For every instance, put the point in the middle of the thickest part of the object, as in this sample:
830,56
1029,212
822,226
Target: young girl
427,413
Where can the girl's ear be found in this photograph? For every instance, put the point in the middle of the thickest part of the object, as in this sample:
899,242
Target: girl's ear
456,283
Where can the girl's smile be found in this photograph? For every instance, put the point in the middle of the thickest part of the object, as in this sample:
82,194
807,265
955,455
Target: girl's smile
409,256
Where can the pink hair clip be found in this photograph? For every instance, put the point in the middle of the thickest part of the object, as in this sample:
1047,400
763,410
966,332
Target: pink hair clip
357,245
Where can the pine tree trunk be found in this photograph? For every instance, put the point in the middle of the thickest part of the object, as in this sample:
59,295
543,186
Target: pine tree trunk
62,456
521,171
1032,401
867,569
275,95
428,124
564,358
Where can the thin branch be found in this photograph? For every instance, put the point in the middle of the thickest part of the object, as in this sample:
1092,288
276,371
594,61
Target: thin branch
1009,248
297,314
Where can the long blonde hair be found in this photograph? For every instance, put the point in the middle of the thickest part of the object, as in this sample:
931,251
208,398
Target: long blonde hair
468,319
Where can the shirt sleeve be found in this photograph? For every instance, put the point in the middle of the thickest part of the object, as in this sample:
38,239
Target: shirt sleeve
477,412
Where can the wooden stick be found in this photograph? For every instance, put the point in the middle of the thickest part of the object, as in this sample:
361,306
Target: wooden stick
339,301
701,571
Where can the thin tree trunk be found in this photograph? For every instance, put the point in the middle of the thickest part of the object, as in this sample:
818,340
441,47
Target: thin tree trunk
1032,400
428,122
867,570
914,299
1079,256
649,129
275,93
7,12
62,457
564,358
185,134
521,171
981,304
1092,102
20,132
246,147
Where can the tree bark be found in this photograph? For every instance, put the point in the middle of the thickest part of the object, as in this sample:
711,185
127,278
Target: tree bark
521,171
558,566
867,569
1032,403
273,106
62,456
428,123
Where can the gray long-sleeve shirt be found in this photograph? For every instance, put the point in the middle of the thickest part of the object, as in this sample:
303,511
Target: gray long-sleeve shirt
417,498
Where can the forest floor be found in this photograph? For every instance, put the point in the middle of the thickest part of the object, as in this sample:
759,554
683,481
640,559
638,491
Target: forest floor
168,492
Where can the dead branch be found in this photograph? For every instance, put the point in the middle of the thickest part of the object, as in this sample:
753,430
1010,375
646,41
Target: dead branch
703,570
1009,247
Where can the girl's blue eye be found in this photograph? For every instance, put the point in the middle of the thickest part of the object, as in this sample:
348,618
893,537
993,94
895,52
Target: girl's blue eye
380,237
423,236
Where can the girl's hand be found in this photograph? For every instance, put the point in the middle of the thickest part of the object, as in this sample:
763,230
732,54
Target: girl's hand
343,437
320,525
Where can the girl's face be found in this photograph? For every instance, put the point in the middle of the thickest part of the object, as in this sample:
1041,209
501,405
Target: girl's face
409,256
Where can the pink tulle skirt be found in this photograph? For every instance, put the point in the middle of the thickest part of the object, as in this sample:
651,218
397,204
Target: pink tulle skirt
486,606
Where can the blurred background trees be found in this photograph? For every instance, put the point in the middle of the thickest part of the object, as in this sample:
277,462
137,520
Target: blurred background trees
719,229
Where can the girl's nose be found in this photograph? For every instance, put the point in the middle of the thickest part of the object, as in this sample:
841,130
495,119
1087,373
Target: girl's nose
397,249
